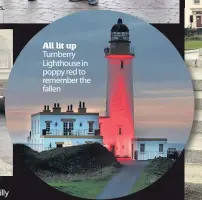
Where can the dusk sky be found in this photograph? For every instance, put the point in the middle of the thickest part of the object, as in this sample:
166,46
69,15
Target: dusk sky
163,96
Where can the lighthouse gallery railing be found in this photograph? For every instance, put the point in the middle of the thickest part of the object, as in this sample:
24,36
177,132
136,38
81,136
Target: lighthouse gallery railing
69,132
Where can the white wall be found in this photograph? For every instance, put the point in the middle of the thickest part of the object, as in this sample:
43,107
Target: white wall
35,127
42,144
73,141
189,7
38,124
79,119
1,16
6,57
151,150
187,12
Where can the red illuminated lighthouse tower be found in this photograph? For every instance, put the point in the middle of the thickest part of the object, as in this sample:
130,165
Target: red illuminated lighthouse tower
117,127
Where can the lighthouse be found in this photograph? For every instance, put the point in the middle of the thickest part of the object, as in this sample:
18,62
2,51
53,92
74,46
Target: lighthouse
117,127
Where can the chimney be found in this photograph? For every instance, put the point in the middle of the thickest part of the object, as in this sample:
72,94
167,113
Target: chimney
56,108
70,108
46,108
82,109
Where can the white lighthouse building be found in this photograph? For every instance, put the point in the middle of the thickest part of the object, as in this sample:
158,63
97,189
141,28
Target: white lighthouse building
118,124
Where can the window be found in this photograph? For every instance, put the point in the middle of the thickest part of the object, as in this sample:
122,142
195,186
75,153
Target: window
142,148
36,122
196,1
120,131
100,127
32,126
47,127
120,36
38,127
35,126
68,127
90,128
121,64
71,127
161,148
65,128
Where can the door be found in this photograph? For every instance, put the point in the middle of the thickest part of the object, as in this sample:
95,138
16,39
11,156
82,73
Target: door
65,128
113,149
71,128
198,21
121,149
68,128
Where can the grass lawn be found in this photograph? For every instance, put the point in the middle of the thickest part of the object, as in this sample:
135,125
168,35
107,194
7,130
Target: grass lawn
192,44
141,183
153,171
88,185
81,188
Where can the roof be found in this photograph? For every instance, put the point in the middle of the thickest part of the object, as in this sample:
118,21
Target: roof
119,27
150,139
63,113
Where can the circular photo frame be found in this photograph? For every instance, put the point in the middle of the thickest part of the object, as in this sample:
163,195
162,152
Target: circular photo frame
97,99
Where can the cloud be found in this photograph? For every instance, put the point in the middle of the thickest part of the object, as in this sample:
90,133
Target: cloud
169,92
164,113
18,110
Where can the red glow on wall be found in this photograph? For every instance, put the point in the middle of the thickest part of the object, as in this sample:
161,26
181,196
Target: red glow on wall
118,128
121,57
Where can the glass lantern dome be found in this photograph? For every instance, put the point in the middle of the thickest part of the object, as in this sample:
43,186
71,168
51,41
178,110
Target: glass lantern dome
119,31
